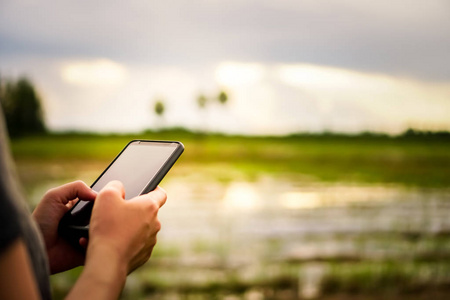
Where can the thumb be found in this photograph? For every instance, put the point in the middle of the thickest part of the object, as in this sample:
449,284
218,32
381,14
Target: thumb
71,191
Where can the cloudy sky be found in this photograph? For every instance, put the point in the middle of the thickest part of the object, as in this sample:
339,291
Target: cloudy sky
288,66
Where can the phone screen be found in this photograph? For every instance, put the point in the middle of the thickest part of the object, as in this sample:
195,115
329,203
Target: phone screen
136,166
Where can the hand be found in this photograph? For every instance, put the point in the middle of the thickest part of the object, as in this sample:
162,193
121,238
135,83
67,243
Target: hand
55,203
124,229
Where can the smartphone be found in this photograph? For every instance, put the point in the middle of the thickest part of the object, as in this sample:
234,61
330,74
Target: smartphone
140,166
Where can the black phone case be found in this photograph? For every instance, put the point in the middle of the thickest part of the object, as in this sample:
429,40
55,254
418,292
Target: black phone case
73,233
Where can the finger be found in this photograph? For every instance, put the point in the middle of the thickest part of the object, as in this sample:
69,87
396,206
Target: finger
72,190
114,186
158,196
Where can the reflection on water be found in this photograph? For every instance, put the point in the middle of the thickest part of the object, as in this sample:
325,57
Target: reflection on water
342,195
241,195
271,207
283,238
262,229
300,200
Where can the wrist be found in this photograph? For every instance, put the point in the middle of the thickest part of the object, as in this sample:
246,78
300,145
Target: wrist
106,266
100,248
103,276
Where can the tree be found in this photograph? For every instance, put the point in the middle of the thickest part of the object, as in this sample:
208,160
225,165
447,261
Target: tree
22,107
159,108
201,101
223,97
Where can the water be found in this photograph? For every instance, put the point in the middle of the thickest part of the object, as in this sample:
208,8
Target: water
273,228
286,236
247,213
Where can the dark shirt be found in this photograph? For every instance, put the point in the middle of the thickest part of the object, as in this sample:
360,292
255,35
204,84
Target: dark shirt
9,227
15,218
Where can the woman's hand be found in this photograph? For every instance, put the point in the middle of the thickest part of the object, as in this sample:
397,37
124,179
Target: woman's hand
122,235
55,203
126,228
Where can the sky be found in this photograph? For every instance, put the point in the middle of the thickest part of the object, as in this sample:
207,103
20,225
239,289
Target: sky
287,66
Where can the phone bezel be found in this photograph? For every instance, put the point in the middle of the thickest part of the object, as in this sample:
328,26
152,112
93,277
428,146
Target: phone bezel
74,232
153,183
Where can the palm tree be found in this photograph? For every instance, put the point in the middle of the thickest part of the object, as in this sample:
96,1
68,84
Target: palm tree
201,101
159,109
223,97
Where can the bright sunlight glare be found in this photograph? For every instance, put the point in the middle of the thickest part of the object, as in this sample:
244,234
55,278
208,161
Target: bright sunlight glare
300,200
96,72
241,196
313,77
236,74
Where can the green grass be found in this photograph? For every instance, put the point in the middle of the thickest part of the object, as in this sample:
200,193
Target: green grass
415,264
417,161
382,277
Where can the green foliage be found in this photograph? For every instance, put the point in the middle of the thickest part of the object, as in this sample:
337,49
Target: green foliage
413,134
412,263
22,107
201,101
385,278
159,107
421,161
223,97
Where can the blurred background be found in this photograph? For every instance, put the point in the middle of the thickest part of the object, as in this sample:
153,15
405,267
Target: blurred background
317,162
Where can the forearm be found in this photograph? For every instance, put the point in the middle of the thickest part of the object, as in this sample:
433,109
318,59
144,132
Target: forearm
103,276
17,281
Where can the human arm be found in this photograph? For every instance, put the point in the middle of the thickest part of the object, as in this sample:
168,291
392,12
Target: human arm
55,203
122,235
17,278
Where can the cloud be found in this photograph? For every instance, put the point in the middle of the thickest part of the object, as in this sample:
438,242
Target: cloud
296,97
394,102
405,38
231,74
341,65
93,72
264,98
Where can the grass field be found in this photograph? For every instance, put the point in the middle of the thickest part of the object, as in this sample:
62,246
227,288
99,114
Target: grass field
417,161
385,206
